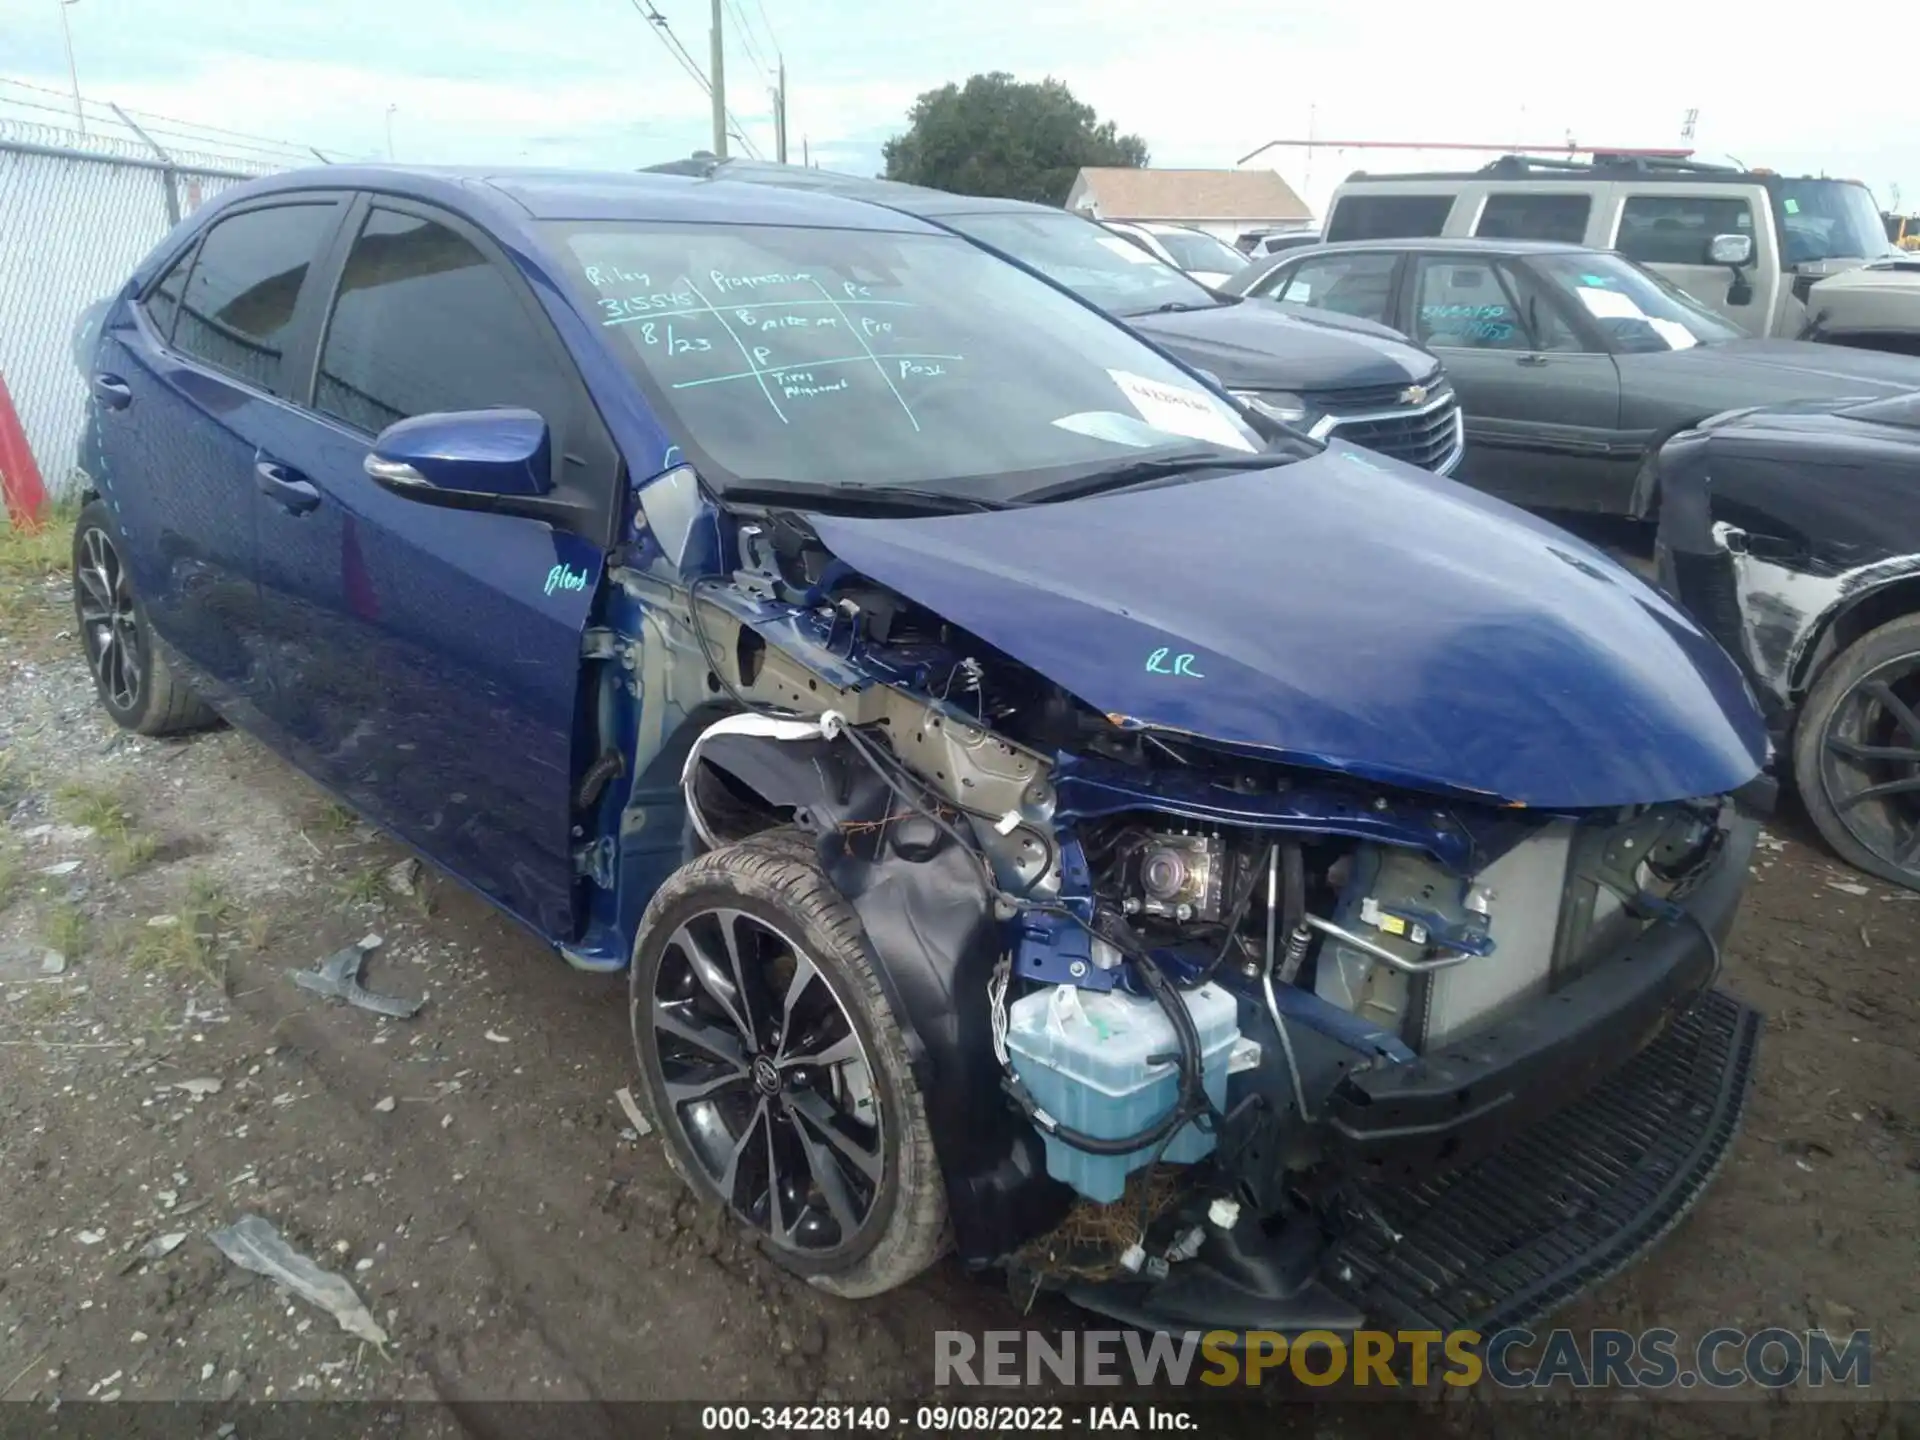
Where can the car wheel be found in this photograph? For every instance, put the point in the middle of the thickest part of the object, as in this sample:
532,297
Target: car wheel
134,681
776,1072
1857,753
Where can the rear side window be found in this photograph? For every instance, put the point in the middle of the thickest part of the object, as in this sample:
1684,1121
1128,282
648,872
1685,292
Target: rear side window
1359,285
1526,216
1388,217
238,308
163,302
423,323
1678,229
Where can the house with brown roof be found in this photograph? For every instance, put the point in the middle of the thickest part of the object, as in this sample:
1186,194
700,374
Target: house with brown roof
1226,203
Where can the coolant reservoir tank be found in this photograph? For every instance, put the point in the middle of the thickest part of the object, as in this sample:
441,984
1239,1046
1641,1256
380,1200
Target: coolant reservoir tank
1097,1061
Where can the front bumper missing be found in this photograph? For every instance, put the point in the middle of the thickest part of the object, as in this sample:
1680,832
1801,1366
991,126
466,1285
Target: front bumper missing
1509,1239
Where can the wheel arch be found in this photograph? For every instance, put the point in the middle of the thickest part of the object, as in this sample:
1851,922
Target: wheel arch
933,942
1853,617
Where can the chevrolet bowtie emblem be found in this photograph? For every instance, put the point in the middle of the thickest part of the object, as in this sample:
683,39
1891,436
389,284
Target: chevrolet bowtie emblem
1413,395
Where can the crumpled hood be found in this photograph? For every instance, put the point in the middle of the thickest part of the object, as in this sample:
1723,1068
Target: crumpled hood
1257,345
1348,613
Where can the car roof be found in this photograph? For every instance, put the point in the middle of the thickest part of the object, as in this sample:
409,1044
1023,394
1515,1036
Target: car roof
513,195
916,200
1463,244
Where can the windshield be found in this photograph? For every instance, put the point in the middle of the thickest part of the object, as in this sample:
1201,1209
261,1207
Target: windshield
1827,220
1102,268
1635,309
1197,250
865,358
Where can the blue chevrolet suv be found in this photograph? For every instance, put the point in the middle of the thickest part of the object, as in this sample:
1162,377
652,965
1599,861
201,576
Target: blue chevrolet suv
1010,777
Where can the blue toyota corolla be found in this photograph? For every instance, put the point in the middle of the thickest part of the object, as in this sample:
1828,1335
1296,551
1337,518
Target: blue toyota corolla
1018,782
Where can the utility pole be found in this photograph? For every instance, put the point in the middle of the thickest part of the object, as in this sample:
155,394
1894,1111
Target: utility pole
806,157
719,88
780,115
73,74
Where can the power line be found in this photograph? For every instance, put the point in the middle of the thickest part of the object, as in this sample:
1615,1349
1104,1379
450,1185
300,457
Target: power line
772,39
664,31
746,40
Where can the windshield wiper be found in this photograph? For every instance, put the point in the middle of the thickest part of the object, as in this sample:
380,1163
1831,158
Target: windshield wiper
800,493
1148,472
1178,307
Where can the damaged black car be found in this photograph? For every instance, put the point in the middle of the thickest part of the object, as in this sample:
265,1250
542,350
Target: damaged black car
1792,533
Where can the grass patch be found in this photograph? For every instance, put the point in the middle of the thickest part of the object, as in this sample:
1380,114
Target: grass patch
65,930
28,559
128,847
366,886
10,870
191,944
335,820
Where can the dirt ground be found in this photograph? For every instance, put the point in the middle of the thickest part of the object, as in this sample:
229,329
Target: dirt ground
471,1174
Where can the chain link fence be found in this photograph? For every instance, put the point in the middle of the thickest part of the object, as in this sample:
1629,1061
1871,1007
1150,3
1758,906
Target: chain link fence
77,213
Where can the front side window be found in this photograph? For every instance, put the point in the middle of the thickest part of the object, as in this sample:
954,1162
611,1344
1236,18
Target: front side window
1634,309
237,310
1679,229
1388,217
1535,215
1104,269
424,323
1358,285
781,355
1463,304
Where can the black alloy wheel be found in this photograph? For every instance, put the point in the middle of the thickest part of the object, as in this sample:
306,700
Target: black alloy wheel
109,625
1870,768
768,1080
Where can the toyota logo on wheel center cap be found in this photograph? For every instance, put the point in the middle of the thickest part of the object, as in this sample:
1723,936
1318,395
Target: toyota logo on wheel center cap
766,1075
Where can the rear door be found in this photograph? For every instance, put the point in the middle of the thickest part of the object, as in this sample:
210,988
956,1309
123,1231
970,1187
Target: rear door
190,382
427,660
1360,283
1541,401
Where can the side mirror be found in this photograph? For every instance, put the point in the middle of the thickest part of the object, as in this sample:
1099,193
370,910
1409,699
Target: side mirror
1734,250
470,459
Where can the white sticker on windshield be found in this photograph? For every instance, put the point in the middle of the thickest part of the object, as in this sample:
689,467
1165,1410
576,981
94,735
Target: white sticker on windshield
1180,410
1112,425
1609,304
1676,335
1126,250
1299,292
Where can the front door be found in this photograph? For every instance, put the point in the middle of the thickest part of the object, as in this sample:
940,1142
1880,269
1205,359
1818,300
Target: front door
1669,230
1541,410
428,659
190,381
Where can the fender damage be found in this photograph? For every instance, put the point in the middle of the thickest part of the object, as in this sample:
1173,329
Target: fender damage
1438,938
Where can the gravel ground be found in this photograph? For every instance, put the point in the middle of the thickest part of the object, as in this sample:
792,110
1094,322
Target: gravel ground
471,1174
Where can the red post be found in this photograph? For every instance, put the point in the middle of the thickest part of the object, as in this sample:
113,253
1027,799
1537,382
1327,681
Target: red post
19,477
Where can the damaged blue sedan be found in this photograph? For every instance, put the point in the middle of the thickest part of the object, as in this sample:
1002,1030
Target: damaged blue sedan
1042,809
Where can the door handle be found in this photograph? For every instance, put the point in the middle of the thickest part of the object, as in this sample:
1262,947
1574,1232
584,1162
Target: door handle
285,487
1533,361
112,392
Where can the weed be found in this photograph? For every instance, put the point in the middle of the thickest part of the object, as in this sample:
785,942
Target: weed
128,847
10,870
190,945
366,886
335,819
65,930
29,607
258,931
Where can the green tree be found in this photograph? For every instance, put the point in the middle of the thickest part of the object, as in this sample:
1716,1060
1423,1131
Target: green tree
999,136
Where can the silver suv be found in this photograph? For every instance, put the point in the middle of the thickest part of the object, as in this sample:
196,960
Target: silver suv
1796,258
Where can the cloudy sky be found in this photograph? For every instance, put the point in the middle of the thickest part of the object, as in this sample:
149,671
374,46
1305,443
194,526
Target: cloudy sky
587,82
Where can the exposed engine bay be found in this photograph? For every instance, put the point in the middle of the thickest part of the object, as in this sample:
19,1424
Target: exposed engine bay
1227,997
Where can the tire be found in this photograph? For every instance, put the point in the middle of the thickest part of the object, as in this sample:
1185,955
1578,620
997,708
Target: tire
130,671
1849,709
854,1219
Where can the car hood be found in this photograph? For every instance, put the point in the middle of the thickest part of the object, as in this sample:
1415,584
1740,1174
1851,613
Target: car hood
1256,345
1759,371
1346,613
